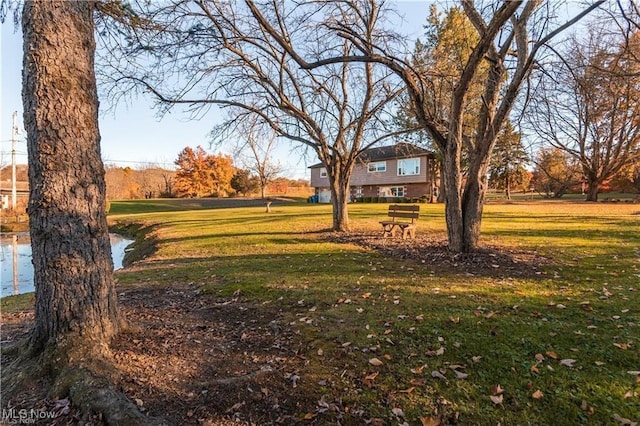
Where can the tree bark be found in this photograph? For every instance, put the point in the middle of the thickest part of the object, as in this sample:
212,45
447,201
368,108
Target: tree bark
593,188
339,181
451,176
472,207
75,295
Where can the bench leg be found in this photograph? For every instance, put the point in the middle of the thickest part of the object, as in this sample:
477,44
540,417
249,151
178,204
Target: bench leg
388,231
408,232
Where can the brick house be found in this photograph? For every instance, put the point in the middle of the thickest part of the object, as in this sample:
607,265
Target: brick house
398,171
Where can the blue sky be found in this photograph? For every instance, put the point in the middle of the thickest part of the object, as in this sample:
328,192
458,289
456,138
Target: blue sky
132,134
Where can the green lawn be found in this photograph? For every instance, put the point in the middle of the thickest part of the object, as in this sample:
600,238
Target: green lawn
402,338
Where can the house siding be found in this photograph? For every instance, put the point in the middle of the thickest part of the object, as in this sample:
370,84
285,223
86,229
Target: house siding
316,180
369,184
361,176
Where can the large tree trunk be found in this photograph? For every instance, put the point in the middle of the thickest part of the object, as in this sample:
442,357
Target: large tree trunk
593,188
75,313
75,296
340,200
451,176
472,207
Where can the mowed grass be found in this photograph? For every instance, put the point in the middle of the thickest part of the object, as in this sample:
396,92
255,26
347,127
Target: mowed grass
400,340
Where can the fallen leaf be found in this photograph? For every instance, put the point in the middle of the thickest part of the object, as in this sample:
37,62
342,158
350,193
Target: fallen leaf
567,362
371,377
418,381
497,399
455,320
437,375
398,412
497,390
490,314
429,421
624,421
599,363
139,402
236,407
376,362
552,354
440,351
320,352
409,390
476,358
539,357
623,346
368,380
309,416
417,370
534,369
460,374
629,394
537,394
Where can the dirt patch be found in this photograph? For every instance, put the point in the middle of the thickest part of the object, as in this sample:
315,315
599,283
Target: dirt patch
197,359
193,359
432,251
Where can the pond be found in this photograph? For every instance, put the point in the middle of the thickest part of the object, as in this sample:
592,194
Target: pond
16,270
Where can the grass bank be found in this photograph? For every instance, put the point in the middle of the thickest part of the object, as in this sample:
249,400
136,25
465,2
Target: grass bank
398,340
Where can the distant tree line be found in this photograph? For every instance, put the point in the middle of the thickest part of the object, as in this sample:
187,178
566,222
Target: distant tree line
199,174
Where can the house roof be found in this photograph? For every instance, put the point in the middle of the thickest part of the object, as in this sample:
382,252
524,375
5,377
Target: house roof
399,150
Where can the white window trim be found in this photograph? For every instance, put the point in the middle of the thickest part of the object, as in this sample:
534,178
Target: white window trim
402,170
377,164
323,172
401,188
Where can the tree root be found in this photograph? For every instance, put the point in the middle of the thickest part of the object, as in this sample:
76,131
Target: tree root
82,373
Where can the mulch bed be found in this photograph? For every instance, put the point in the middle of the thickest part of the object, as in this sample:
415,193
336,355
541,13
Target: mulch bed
432,251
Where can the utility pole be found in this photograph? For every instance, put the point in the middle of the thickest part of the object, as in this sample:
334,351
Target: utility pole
14,138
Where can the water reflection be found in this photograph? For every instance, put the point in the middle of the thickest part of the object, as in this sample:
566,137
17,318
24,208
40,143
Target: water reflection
16,269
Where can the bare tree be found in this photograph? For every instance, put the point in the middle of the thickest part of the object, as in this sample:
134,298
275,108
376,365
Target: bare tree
254,148
203,54
511,35
589,107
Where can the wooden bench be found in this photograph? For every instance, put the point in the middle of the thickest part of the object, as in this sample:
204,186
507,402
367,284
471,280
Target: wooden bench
398,211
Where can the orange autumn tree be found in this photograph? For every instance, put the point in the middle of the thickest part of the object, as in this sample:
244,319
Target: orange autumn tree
201,174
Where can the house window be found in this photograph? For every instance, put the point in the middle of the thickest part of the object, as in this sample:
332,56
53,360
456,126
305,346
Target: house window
358,191
408,166
378,167
397,191
323,173
391,191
